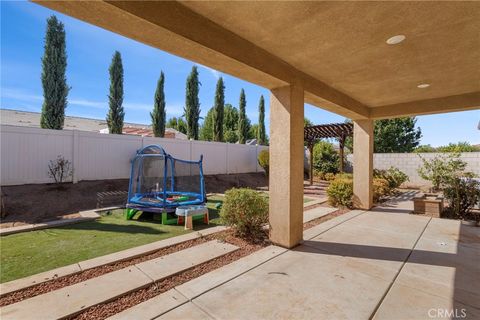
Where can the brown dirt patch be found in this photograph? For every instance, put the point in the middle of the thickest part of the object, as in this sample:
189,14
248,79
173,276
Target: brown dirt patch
34,203
330,216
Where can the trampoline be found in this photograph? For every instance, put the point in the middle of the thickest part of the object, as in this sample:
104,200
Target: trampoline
159,183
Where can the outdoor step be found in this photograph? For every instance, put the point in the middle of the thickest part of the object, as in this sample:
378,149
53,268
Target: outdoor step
315,213
75,298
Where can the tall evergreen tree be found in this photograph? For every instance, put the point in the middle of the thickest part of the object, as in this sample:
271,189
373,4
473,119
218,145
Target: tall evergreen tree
159,115
243,125
206,132
115,98
54,81
192,104
230,124
261,134
218,114
177,124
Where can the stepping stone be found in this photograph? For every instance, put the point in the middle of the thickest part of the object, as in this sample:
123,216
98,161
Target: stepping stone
75,298
318,212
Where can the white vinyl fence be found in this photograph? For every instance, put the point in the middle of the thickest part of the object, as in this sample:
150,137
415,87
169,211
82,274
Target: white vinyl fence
26,152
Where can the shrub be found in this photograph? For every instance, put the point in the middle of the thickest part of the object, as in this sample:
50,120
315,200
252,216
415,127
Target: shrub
340,192
344,176
245,210
462,194
319,174
441,169
263,160
393,175
380,189
329,176
60,169
325,158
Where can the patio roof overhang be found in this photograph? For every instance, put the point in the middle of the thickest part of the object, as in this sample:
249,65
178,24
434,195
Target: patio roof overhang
336,50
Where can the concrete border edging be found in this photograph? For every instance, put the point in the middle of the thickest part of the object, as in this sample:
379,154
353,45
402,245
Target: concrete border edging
23,283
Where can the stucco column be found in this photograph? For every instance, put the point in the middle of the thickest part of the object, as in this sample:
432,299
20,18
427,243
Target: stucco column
363,164
286,166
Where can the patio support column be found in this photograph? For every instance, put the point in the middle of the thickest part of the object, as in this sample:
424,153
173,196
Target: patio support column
310,172
363,164
286,165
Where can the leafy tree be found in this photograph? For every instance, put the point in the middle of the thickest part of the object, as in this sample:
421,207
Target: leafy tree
115,98
393,136
192,104
242,119
424,148
206,132
307,122
441,169
218,111
261,134
396,135
458,147
159,115
253,131
325,157
54,81
230,124
178,124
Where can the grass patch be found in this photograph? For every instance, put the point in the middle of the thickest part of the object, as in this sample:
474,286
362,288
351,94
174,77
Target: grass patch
33,252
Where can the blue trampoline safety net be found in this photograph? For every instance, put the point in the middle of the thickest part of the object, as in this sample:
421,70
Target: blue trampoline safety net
160,181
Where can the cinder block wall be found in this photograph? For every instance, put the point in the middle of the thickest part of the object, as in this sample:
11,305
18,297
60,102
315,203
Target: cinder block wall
410,162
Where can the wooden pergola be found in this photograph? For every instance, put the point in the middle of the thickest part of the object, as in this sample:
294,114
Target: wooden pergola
339,131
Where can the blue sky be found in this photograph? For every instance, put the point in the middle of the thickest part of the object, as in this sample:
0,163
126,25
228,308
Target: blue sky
90,50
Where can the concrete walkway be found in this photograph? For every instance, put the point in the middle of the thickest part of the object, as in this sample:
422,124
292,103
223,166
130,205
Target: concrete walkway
362,265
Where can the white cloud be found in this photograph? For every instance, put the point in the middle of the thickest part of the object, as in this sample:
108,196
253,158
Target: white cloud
18,94
216,74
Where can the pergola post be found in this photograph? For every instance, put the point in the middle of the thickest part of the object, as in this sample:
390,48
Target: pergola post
310,150
363,164
286,165
341,144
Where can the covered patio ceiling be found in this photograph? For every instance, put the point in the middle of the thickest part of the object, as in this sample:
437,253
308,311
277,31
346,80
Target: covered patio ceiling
336,50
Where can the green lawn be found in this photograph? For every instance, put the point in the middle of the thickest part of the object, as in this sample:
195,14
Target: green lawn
32,252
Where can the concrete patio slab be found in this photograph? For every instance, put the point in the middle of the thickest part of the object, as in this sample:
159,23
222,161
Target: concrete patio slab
324,226
198,286
72,299
152,308
168,265
316,213
404,302
296,285
186,311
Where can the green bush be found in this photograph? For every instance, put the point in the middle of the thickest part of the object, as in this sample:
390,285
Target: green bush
263,160
462,194
329,176
325,157
344,176
394,176
441,169
340,192
245,210
380,189
319,174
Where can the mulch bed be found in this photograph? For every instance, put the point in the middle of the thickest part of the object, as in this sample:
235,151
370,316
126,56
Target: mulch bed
108,309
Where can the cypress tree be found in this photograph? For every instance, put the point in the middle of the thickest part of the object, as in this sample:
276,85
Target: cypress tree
218,113
54,81
261,134
159,115
192,104
116,114
242,120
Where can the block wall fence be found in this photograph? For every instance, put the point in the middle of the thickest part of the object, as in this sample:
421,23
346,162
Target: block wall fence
26,152
410,162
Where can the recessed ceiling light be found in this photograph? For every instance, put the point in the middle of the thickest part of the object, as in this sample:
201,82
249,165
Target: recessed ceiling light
396,39
423,85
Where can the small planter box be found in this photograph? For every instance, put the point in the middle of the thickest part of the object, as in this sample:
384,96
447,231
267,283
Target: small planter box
428,203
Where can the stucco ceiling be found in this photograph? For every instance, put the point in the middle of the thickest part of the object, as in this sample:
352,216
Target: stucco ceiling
344,43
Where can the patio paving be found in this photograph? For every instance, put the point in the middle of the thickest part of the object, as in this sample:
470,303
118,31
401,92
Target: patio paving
376,265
